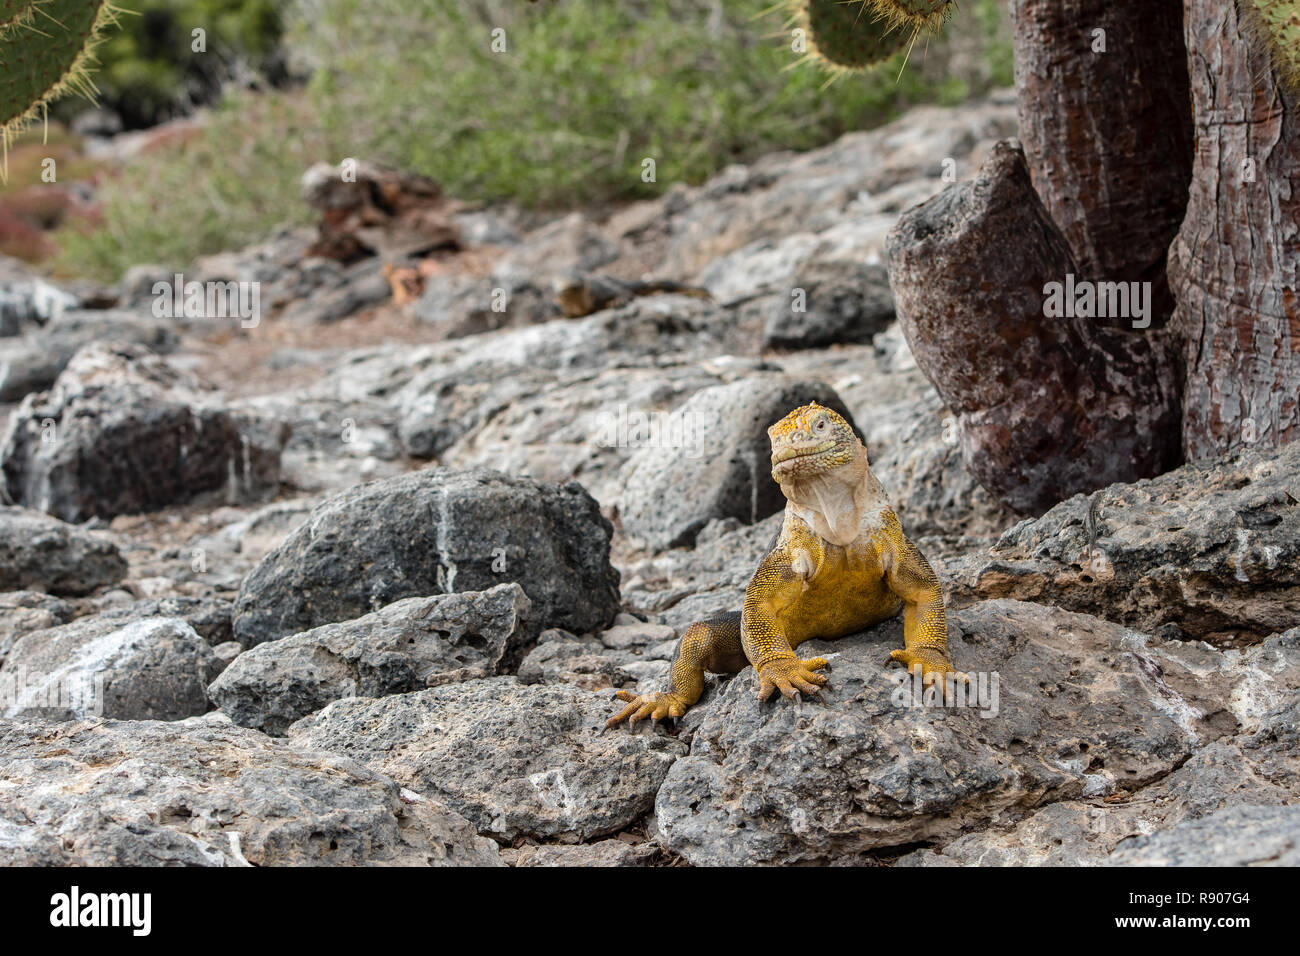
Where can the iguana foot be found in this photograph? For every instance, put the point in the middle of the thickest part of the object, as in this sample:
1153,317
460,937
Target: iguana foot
790,676
936,667
656,706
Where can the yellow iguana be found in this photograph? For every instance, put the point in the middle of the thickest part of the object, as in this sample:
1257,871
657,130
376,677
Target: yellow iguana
839,564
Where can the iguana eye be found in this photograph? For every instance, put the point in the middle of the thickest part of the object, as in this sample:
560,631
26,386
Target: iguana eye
821,425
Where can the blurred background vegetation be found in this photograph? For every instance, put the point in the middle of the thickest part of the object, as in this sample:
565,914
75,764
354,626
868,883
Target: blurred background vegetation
585,90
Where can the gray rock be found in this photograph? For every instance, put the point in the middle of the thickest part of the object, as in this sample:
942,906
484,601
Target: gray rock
1084,707
1237,836
712,460
209,615
842,301
227,652
567,244
440,408
1212,547
27,301
516,760
22,612
43,553
435,532
146,668
406,646
203,792
356,287
559,657
600,853
461,305
1260,766
122,433
552,426
33,362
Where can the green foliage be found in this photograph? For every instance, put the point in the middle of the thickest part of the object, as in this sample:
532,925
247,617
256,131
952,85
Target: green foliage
583,93
46,50
150,70
585,90
226,186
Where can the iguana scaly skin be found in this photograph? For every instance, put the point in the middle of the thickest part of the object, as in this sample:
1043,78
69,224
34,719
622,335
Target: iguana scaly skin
839,564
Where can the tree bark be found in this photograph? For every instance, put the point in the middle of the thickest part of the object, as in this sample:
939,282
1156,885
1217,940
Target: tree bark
1107,132
1047,406
1234,265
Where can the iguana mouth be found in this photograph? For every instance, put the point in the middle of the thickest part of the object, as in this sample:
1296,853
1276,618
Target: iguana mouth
785,454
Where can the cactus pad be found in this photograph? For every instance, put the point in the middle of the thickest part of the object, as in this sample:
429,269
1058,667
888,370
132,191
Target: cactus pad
845,37
1277,23
913,16
46,50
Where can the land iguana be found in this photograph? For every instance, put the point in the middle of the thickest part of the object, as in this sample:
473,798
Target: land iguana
840,563
578,294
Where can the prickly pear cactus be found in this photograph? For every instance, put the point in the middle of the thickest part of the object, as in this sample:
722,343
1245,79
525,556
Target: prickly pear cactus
913,16
844,37
14,13
1278,24
46,50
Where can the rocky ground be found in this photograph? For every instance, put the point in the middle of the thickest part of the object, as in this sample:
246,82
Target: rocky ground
356,585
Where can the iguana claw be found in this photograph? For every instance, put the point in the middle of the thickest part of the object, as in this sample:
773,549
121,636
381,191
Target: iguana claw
790,676
656,706
935,667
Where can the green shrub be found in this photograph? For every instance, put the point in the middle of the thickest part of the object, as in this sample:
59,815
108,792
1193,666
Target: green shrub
226,186
149,71
585,91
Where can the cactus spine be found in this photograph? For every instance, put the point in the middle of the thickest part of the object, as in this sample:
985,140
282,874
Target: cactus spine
1277,22
46,51
913,16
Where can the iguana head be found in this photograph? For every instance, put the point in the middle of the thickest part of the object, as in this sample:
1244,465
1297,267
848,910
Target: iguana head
812,440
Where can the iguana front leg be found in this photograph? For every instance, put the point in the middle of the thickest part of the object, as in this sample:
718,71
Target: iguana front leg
713,646
779,580
925,625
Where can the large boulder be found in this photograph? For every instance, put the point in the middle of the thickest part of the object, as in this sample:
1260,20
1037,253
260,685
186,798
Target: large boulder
1211,549
141,668
203,792
42,553
436,531
121,432
1084,708
515,759
407,646
711,459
